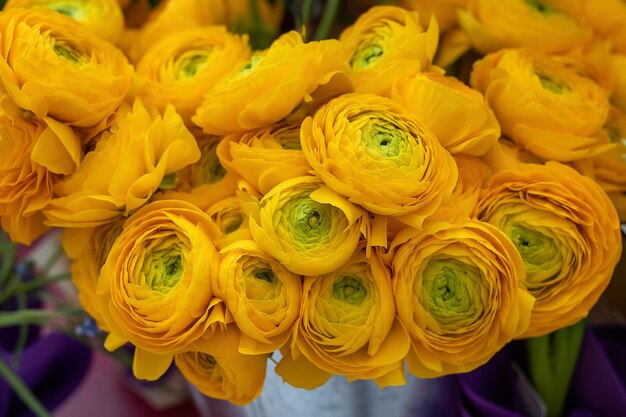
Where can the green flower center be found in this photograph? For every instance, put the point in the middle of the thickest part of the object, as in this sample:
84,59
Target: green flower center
206,361
264,274
163,268
233,224
451,291
349,290
74,9
289,142
259,280
541,7
208,170
535,248
189,63
308,221
551,84
366,54
249,66
613,133
68,52
384,138
541,254
169,181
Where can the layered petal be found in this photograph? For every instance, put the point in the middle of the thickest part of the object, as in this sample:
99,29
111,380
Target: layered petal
262,295
545,104
436,100
204,182
103,18
542,25
372,151
348,327
26,183
308,229
271,85
265,157
155,286
385,43
179,69
126,167
88,249
52,66
237,379
459,290
567,232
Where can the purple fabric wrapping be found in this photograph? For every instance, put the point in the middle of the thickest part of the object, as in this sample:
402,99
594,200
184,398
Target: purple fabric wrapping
52,367
599,382
598,387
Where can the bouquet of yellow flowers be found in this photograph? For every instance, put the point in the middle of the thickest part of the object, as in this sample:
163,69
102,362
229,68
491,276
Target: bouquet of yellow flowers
406,189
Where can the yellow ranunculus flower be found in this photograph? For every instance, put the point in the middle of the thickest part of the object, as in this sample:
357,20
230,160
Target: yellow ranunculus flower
608,19
436,100
123,171
169,17
53,67
103,18
445,11
271,85
229,217
542,25
88,250
543,104
372,151
236,378
385,43
155,286
265,157
25,183
566,230
205,182
609,169
348,327
460,294
473,175
179,69
307,228
261,294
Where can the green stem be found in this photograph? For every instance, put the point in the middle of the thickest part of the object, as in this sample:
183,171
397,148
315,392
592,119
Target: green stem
552,361
35,316
32,285
22,390
8,255
328,19
306,18
22,338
